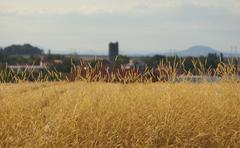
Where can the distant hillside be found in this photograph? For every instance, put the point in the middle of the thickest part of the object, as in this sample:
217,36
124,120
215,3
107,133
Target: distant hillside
197,51
25,49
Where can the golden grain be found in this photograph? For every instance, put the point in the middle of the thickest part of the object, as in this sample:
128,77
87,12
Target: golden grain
82,114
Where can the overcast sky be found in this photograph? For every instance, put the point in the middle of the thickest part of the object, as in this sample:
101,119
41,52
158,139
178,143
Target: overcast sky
140,26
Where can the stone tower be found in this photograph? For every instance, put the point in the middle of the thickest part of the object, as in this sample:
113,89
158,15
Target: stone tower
113,51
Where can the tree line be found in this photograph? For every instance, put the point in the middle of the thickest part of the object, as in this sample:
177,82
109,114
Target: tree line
28,54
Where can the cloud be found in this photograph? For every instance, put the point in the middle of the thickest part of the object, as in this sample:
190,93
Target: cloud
137,24
61,7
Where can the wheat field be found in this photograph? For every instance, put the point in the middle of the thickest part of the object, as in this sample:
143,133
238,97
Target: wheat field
82,114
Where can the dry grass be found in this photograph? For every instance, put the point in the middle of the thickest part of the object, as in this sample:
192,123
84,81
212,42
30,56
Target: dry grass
81,114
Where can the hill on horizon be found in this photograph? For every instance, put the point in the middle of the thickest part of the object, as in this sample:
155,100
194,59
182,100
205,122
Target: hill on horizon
25,49
197,51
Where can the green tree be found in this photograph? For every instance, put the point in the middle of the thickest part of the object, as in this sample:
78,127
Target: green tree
213,60
25,49
121,60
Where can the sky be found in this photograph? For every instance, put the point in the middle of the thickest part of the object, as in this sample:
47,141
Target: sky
140,26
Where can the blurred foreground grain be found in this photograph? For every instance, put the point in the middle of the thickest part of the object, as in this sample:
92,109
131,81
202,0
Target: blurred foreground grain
81,114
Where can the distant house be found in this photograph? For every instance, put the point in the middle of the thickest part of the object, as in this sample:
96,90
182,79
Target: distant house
92,57
134,63
39,67
57,61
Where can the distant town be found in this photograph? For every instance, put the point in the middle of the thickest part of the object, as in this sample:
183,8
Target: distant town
27,56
